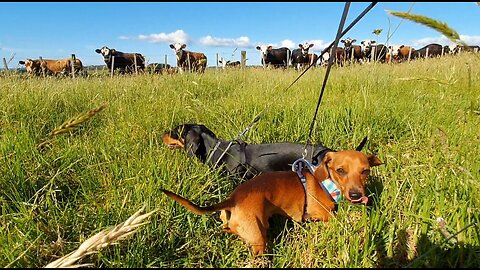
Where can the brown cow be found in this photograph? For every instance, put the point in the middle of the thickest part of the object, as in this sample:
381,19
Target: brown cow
197,61
350,49
49,66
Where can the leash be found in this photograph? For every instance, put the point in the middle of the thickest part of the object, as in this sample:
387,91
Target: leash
340,34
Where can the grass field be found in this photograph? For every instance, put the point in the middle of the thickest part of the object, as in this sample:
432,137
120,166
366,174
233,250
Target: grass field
422,120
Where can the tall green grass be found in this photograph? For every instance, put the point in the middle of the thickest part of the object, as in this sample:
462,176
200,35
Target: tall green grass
422,119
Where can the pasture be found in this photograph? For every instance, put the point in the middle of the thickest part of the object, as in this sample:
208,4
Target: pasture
422,120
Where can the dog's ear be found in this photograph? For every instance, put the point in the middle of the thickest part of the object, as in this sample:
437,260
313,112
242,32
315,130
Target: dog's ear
374,161
209,141
193,142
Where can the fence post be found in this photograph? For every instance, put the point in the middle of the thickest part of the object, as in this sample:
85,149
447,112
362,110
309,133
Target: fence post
409,53
475,50
113,61
135,63
372,57
243,57
217,61
165,61
288,59
189,64
426,53
391,55
41,66
5,63
72,61
443,50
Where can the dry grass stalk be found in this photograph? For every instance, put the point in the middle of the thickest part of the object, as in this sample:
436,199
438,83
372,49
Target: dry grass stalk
101,240
432,23
74,122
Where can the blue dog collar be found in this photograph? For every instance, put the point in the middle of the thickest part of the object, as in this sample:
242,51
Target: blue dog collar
330,187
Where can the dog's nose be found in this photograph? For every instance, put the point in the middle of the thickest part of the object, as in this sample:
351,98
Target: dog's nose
354,195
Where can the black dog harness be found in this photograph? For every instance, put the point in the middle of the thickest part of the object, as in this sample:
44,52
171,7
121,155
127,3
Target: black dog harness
327,185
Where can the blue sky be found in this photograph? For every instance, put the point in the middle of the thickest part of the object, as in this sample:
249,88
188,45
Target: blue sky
56,30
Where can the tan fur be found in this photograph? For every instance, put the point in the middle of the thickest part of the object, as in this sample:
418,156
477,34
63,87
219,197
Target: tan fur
247,210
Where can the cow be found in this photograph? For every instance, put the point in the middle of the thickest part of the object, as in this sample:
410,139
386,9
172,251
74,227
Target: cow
228,63
51,67
339,57
350,49
434,50
379,50
399,53
300,56
188,60
124,62
461,48
275,57
157,68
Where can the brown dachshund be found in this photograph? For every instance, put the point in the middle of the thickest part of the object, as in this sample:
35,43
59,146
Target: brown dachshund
247,210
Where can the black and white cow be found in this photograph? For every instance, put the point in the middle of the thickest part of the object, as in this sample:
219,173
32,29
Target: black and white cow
124,62
300,57
371,48
275,57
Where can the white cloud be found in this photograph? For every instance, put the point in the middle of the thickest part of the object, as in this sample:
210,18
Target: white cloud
225,42
470,40
318,44
178,36
289,44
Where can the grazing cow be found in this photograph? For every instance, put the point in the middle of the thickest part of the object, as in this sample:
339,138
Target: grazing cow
229,63
275,57
51,67
197,61
434,50
157,68
350,49
124,62
379,50
300,56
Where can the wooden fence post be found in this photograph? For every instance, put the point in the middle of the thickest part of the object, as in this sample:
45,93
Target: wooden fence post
5,63
113,61
135,63
166,61
409,53
372,57
189,64
243,57
426,53
443,50
72,61
217,61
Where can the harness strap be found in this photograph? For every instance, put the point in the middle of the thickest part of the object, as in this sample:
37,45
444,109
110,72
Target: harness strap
327,185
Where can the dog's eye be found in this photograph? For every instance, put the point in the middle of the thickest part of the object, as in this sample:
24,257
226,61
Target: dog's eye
341,171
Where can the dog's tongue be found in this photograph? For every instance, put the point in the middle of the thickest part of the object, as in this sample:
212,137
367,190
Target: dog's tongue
363,200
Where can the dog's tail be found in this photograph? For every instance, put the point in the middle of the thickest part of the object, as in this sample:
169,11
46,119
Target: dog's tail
195,208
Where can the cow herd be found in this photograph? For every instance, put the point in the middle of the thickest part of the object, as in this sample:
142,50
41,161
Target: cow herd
366,51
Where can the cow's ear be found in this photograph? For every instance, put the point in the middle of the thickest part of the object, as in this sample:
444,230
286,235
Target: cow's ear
21,62
269,47
353,41
363,41
401,46
184,46
311,45
343,41
171,46
113,51
373,41
300,45
97,51
258,48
